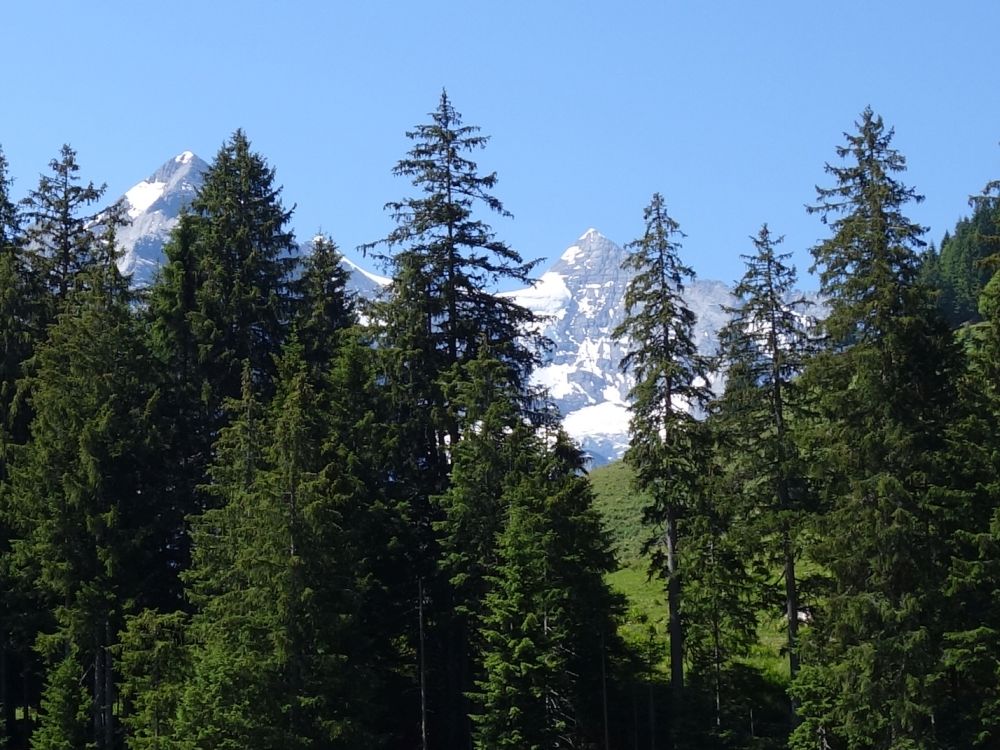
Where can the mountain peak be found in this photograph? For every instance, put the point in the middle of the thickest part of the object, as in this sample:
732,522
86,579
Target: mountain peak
591,234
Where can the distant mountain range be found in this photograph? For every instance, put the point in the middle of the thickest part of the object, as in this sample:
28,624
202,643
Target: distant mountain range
580,298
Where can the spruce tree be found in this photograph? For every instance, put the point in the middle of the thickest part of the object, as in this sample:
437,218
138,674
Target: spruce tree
549,615
85,525
671,385
441,311
222,298
886,394
324,307
16,343
969,713
764,347
276,633
60,224
18,300
245,258
446,265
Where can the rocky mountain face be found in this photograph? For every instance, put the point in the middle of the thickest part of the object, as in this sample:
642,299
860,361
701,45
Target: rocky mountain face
153,207
580,300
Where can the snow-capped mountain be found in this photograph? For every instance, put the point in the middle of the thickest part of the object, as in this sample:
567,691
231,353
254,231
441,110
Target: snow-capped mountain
581,300
153,207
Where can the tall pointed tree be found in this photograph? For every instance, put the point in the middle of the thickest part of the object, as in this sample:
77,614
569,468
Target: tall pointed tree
441,311
886,396
446,265
80,493
764,347
60,223
671,384
549,616
324,307
276,584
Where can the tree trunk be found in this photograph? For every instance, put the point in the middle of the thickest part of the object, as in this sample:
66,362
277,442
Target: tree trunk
604,694
8,706
109,690
97,706
675,627
423,666
792,614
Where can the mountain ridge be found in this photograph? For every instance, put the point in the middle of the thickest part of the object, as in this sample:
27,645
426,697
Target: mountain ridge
579,300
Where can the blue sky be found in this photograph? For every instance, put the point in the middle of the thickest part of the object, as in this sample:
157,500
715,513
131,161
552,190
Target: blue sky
729,108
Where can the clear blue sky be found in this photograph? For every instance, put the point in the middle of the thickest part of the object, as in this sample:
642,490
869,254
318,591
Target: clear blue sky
728,108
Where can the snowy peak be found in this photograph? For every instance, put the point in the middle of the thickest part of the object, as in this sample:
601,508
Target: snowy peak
581,301
592,253
154,206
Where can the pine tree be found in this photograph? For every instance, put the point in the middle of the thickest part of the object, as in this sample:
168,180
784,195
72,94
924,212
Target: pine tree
969,710
274,578
60,226
324,306
764,348
671,382
549,615
441,311
80,496
886,395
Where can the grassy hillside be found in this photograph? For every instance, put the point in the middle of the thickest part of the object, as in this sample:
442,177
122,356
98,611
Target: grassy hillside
621,508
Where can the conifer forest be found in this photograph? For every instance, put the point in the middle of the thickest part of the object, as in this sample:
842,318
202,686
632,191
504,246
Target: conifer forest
243,508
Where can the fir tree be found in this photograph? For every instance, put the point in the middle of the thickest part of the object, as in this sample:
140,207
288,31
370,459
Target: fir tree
671,382
764,348
324,306
440,313
886,394
79,495
548,619
59,225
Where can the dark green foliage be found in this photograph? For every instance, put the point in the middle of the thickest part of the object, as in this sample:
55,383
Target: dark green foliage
970,675
83,509
324,308
958,270
223,297
450,256
446,263
155,663
64,708
276,585
19,301
244,259
59,229
763,349
671,384
440,314
886,385
548,623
